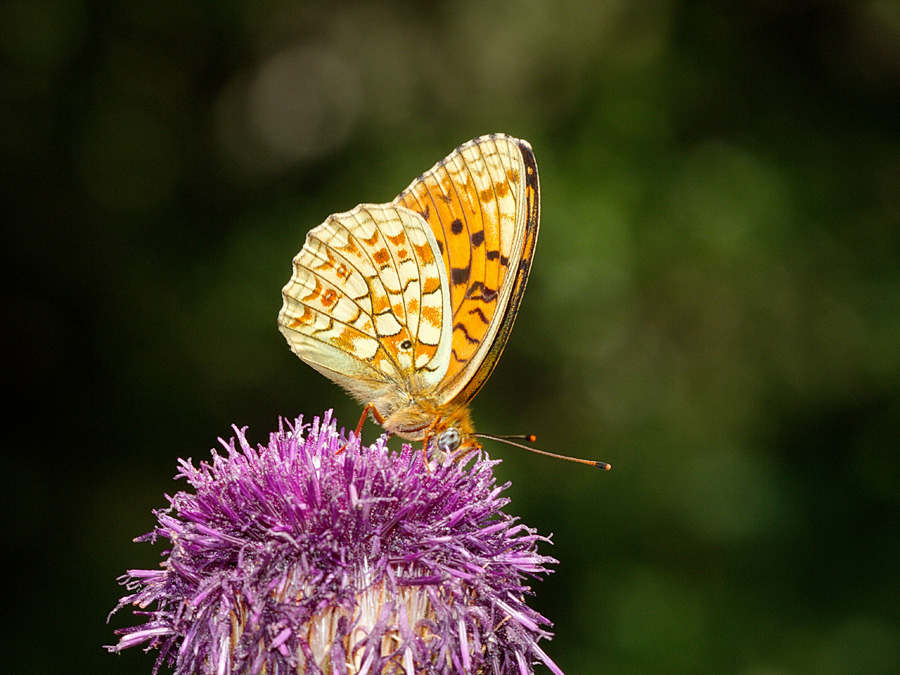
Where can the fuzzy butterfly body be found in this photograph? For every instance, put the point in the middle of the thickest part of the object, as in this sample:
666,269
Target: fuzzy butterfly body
408,305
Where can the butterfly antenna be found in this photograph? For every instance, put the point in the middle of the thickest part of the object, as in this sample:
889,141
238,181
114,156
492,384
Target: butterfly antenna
531,438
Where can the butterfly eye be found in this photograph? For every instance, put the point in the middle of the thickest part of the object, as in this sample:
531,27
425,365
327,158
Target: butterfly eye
449,439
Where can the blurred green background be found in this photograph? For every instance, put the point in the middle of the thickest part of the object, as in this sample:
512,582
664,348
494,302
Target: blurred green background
714,306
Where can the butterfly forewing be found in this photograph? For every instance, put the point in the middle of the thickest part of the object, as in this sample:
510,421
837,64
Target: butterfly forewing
482,205
368,303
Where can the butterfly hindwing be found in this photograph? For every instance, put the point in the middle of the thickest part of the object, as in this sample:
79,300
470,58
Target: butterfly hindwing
368,303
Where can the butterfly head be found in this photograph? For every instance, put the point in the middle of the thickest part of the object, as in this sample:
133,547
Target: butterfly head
452,433
448,429
449,440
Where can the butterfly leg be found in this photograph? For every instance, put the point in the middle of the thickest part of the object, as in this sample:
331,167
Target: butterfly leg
362,420
429,435
425,453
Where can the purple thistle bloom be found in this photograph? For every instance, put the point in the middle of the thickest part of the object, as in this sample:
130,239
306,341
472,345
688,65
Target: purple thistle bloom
291,558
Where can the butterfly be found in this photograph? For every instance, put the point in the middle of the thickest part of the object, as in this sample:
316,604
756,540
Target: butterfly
408,305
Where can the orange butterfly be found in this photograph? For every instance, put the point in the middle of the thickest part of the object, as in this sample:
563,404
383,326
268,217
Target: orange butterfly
408,305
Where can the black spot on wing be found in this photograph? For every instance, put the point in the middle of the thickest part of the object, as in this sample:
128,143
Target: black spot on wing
460,275
480,314
457,356
469,338
478,291
477,238
456,227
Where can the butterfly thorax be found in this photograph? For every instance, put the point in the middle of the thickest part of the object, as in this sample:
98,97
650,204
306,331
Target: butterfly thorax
422,417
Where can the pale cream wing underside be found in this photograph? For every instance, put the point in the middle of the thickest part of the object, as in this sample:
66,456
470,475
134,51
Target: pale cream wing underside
368,302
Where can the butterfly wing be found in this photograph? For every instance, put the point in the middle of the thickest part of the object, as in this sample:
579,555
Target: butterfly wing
482,203
368,302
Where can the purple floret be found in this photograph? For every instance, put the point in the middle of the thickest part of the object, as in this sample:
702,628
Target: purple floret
292,558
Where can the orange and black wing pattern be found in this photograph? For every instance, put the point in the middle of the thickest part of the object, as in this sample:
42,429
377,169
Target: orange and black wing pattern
482,203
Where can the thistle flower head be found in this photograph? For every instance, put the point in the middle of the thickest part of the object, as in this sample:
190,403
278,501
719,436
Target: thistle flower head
294,558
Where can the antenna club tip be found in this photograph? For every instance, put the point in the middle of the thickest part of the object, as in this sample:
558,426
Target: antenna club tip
603,466
531,438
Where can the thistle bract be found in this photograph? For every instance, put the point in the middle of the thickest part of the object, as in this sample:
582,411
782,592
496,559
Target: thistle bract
293,557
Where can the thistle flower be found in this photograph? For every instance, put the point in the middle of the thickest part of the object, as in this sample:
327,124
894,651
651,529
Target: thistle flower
295,558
